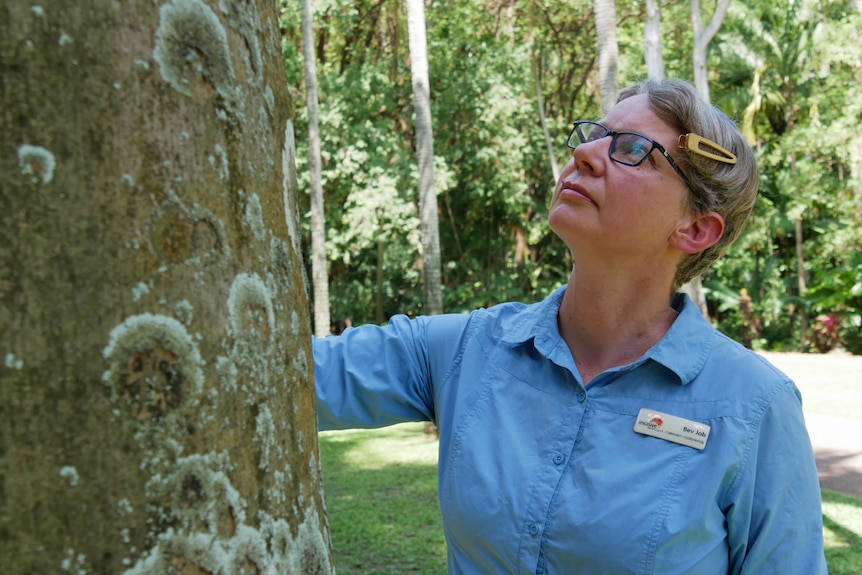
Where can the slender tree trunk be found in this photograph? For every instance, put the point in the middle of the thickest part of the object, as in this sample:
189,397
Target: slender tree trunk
652,40
855,145
702,37
319,272
606,32
802,284
425,150
156,404
381,255
540,101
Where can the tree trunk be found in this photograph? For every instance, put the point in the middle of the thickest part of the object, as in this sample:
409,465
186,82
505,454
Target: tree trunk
156,403
702,37
652,40
799,241
606,32
432,271
381,279
540,101
319,272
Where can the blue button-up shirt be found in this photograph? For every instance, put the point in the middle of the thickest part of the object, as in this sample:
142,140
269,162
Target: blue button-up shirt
540,474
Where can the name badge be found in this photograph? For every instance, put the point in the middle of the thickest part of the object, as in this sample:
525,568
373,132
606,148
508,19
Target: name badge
672,428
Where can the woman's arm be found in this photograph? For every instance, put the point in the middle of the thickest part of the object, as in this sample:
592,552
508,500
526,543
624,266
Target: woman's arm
775,521
373,376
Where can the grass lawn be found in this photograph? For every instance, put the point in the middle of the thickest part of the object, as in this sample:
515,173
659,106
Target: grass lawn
381,499
381,490
842,529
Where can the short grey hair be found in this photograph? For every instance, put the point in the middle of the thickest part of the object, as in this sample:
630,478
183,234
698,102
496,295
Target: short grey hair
727,189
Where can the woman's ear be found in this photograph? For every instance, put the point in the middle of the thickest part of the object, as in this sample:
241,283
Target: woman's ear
698,233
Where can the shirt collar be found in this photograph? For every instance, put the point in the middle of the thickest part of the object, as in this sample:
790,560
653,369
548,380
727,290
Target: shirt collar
683,349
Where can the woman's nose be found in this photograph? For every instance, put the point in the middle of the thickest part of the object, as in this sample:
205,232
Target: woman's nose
590,157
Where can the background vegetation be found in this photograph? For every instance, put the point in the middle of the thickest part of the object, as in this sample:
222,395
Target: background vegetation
789,72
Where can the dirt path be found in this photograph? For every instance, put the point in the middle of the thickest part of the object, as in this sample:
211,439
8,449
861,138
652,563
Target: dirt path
831,387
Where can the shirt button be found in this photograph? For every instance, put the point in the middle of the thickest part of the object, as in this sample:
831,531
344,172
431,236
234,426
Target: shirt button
558,459
534,529
582,396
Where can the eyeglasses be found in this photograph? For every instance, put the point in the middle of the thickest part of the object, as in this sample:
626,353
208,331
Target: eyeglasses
631,149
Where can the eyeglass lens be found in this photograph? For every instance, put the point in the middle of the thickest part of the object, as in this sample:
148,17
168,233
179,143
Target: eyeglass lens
626,147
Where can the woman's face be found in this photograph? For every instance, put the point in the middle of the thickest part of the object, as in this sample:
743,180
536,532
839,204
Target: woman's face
608,209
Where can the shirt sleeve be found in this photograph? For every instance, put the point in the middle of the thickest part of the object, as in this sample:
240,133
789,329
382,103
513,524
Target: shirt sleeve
775,521
374,376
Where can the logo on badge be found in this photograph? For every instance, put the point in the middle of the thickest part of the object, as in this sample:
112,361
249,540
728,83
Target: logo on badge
656,419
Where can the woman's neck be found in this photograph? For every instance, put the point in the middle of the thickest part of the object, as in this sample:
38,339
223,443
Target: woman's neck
611,322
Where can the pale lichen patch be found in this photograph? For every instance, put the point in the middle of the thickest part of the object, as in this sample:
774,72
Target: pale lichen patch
124,507
244,18
219,162
269,98
184,311
254,216
193,52
14,363
289,185
265,435
199,495
250,306
70,474
140,291
227,372
153,366
37,162
195,553
74,562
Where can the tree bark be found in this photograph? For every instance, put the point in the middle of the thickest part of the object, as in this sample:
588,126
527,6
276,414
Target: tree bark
319,271
432,271
156,403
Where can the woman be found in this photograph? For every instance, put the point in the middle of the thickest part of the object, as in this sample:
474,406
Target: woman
608,429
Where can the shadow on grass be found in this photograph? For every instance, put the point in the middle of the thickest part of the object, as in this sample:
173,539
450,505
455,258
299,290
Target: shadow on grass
385,519
842,518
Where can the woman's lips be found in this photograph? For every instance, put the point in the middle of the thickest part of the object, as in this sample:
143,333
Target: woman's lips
576,192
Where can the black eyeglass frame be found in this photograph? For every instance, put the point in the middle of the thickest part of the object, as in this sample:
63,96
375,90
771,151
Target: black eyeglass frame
576,129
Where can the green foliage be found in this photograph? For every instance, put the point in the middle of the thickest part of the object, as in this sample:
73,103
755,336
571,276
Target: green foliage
789,72
786,73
